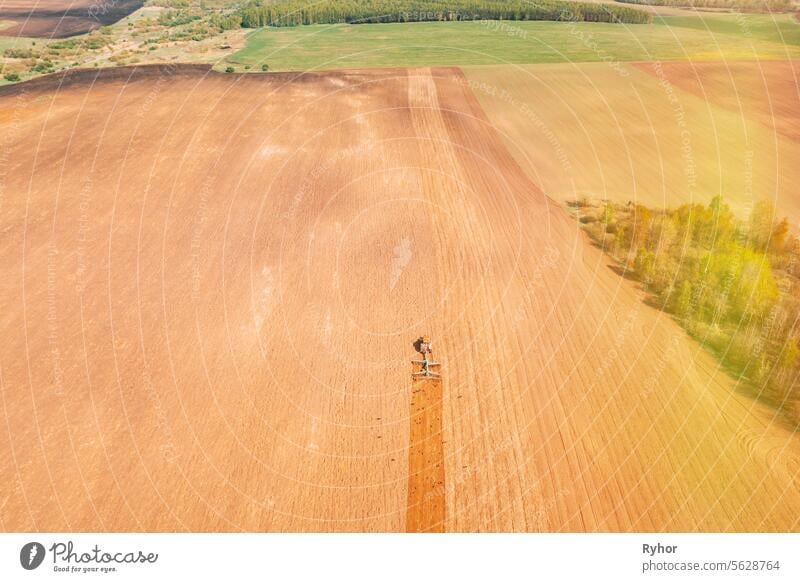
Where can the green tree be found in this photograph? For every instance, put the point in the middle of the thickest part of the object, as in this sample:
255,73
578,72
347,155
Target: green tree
682,301
722,228
642,222
620,241
644,264
608,214
790,354
778,239
761,224
755,291
260,13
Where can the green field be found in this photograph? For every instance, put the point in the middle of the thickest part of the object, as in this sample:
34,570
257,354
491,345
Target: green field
484,43
18,42
779,28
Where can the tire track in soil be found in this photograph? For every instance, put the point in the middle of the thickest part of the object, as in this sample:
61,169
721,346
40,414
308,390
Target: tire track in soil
426,478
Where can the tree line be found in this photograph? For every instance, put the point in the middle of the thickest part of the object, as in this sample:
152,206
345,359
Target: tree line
259,13
733,284
750,5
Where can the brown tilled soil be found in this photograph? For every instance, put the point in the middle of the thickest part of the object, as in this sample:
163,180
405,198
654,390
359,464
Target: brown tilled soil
62,18
646,133
426,486
767,91
211,286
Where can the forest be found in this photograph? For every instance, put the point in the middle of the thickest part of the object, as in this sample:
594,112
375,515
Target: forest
258,13
749,5
733,284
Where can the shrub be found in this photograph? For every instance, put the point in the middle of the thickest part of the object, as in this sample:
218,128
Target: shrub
12,53
174,18
228,22
644,263
11,77
42,67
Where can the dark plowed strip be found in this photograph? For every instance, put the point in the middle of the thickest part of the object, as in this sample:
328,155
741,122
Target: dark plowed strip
63,18
426,490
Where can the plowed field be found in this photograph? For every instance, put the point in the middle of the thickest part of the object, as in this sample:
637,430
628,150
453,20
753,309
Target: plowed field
61,18
212,284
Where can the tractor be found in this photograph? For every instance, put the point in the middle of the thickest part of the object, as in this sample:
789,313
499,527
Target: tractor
426,364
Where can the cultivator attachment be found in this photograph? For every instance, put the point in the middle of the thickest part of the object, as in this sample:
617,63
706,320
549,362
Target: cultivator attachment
426,367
